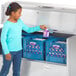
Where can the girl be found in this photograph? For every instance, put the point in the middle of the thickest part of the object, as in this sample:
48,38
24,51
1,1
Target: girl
11,39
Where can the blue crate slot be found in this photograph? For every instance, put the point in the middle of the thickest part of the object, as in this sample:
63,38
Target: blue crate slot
41,36
33,49
29,36
57,38
56,52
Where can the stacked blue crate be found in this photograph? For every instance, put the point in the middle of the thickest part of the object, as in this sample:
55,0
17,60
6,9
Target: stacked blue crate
59,39
26,37
33,49
56,50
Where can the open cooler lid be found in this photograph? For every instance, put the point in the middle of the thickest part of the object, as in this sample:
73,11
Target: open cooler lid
59,18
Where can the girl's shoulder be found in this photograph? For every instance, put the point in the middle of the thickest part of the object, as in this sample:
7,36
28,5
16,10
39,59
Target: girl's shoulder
10,24
6,24
19,20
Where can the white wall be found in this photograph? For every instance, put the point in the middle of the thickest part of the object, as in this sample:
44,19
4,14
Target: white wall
64,3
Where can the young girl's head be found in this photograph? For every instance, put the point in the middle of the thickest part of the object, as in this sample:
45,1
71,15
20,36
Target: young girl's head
14,10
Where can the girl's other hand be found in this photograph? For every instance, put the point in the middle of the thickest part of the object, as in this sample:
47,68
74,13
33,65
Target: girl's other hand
43,27
8,56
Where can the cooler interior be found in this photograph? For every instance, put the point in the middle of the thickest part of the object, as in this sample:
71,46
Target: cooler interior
51,49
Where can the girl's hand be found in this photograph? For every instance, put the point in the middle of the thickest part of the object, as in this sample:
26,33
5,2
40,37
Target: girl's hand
43,27
8,56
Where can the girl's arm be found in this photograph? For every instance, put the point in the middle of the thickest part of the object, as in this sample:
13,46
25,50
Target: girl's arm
3,39
30,29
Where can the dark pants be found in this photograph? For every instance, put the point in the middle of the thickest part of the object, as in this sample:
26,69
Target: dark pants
16,59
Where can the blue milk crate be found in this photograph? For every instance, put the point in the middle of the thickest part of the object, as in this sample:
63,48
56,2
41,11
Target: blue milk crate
33,49
29,36
53,38
56,51
60,38
39,35
25,34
